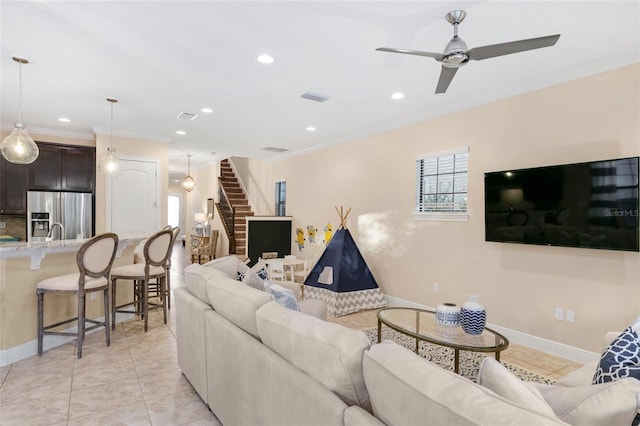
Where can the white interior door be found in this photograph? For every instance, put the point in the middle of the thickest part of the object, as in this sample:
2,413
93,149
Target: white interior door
134,198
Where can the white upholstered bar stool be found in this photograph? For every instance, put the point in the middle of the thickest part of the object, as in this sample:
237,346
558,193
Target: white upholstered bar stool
94,260
156,251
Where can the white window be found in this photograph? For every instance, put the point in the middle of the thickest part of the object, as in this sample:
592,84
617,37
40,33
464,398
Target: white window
441,185
281,198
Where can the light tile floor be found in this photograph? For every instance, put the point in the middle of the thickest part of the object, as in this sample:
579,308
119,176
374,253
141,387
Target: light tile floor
136,380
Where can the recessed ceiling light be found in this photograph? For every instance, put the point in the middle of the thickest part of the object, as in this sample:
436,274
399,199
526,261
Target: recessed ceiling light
181,132
265,59
206,110
397,95
311,129
64,120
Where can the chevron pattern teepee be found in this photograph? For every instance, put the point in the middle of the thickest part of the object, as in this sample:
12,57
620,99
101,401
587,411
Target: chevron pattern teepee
342,278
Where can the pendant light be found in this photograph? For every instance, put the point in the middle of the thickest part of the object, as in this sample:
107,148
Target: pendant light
110,163
188,183
18,147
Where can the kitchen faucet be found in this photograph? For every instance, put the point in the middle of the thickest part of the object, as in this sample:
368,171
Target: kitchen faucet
61,230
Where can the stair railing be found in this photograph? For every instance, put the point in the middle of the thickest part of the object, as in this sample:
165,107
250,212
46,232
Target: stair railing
228,214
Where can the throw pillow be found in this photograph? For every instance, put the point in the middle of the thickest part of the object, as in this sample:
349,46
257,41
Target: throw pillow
284,296
255,276
495,376
620,359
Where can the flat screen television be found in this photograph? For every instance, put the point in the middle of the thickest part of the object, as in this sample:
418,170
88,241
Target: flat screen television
591,205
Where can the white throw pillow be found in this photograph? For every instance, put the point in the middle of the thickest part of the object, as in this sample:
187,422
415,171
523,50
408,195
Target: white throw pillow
495,376
613,403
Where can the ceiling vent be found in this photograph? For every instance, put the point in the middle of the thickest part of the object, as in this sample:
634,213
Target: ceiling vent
272,149
187,116
316,97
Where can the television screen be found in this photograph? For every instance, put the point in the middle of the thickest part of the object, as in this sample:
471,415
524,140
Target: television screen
591,205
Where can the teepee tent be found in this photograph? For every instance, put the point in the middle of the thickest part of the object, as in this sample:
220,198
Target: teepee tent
342,278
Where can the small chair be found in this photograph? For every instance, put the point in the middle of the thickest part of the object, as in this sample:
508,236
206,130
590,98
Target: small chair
275,269
94,260
156,251
300,272
210,249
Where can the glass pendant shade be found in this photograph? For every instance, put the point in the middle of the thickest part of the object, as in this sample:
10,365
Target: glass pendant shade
188,183
110,163
18,147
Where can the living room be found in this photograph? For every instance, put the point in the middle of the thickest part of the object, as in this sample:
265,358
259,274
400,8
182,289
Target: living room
424,263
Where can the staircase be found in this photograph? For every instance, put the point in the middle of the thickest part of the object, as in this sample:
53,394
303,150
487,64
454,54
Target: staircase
237,210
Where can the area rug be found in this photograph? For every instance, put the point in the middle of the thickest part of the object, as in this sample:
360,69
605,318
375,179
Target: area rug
444,357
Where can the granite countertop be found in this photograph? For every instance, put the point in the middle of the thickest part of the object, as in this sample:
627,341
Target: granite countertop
38,250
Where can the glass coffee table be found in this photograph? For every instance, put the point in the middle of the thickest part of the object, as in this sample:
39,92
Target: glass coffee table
421,324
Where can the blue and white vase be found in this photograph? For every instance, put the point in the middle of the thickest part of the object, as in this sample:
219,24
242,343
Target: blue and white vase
448,314
473,316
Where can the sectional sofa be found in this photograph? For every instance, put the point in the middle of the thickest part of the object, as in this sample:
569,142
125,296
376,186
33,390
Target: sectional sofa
255,362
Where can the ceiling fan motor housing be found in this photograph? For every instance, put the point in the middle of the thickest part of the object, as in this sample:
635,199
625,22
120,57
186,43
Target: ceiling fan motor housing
455,53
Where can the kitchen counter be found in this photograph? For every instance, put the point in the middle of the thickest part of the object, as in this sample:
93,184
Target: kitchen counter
22,266
38,250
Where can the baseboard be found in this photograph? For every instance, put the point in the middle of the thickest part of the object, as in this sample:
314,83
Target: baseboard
26,350
520,338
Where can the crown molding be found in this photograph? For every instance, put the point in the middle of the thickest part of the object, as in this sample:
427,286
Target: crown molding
52,132
135,135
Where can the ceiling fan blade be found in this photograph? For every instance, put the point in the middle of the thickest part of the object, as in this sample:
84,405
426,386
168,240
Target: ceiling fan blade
491,51
446,75
437,56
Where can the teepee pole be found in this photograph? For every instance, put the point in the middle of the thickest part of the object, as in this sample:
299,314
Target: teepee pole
343,216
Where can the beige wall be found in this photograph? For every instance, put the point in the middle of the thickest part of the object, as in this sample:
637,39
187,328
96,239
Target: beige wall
520,285
133,149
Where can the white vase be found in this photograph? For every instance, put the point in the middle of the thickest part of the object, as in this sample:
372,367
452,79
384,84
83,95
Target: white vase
473,316
448,314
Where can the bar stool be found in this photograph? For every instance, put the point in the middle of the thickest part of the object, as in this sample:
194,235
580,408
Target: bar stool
156,251
155,287
94,260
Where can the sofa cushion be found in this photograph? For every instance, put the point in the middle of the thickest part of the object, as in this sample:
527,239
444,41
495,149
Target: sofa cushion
406,389
495,376
196,277
328,352
314,307
613,403
236,302
227,264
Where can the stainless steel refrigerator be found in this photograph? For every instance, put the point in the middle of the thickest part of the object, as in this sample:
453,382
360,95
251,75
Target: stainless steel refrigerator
68,215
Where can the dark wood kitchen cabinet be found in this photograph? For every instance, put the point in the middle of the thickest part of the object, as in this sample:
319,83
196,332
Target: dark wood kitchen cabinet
14,181
46,172
63,168
57,168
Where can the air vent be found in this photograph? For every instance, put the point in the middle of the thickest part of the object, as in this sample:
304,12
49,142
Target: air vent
187,116
272,149
316,97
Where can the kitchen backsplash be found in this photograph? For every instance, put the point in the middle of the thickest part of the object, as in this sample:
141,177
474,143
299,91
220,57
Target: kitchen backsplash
16,226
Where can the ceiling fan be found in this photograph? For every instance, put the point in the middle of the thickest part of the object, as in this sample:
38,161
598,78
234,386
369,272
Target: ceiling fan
456,53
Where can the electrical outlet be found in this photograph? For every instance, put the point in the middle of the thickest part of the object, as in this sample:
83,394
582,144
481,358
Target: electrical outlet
559,315
94,296
3,225
436,287
571,316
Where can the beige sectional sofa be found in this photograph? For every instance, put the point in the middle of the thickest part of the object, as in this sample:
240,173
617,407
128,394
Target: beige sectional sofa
255,362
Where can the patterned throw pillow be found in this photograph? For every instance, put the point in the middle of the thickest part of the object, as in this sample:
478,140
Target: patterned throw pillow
620,359
283,296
